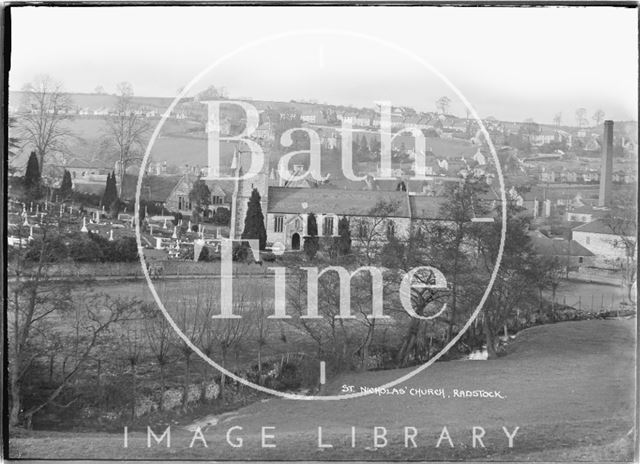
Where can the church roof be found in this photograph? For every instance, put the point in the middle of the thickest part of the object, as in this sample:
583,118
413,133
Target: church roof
425,207
336,201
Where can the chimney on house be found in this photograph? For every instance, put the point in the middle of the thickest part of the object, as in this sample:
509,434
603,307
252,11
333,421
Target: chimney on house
607,164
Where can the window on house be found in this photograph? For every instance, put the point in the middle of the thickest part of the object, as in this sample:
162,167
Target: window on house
278,224
588,240
217,200
184,203
327,227
391,229
363,230
580,259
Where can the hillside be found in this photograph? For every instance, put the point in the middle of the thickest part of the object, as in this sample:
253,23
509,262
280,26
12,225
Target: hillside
567,386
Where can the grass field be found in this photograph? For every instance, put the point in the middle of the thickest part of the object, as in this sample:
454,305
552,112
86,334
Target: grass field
569,387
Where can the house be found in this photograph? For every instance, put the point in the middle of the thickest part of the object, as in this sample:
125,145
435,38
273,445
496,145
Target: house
178,199
592,144
154,189
569,253
584,214
598,238
549,135
85,172
363,120
313,117
547,176
591,176
288,115
265,132
348,117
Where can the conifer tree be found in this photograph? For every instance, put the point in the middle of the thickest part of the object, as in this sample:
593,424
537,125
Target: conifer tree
311,242
364,146
110,194
344,237
254,221
32,177
66,186
106,200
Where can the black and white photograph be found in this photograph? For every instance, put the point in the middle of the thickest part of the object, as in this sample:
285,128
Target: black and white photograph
320,232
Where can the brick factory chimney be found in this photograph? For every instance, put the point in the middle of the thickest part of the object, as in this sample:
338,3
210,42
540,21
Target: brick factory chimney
607,165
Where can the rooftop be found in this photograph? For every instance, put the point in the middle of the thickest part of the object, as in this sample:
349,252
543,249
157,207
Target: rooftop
341,202
596,227
546,246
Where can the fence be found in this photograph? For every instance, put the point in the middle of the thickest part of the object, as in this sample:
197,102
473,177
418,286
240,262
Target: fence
173,268
595,302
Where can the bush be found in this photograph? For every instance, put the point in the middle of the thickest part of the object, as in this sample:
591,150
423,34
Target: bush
311,246
240,251
56,250
126,249
186,253
289,378
83,249
204,255
222,217
177,217
86,199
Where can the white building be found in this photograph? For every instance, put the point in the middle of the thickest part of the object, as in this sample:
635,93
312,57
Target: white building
598,238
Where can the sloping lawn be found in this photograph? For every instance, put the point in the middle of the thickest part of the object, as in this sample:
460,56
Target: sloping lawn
569,387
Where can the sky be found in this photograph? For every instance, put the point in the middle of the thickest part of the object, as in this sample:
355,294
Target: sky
510,63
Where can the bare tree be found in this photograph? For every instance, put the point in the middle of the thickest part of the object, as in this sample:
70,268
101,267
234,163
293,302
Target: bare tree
41,120
228,334
443,104
35,300
372,230
621,220
189,318
132,340
127,130
598,116
159,337
557,119
581,117
260,328
416,251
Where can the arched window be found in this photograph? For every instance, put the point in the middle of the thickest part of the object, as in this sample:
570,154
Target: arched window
391,229
327,225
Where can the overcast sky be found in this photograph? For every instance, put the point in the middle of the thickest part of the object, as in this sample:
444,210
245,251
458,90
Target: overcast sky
511,63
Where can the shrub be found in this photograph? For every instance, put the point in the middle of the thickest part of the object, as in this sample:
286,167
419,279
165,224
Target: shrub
289,378
55,251
204,254
240,251
126,249
83,249
186,253
222,217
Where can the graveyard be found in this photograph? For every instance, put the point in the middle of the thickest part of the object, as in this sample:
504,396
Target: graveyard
163,237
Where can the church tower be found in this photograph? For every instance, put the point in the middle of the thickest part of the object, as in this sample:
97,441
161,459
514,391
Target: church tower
243,188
